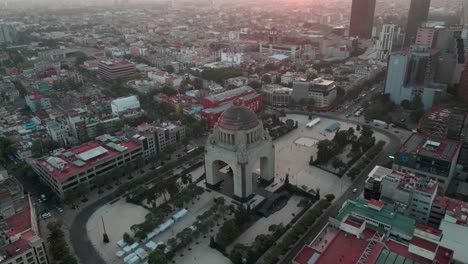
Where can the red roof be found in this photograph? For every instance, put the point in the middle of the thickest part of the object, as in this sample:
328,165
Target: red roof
345,248
429,229
70,168
376,203
423,243
304,255
455,208
19,222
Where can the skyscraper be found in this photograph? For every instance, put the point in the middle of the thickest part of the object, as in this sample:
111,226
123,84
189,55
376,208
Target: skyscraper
418,13
362,18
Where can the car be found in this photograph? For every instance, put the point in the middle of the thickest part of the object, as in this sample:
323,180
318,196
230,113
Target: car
347,115
59,209
46,215
355,190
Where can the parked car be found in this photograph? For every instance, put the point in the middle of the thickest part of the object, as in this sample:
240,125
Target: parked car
59,209
355,190
46,215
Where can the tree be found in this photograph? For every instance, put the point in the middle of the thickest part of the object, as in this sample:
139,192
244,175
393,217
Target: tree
326,150
41,147
68,259
416,114
157,257
6,149
128,239
266,79
82,190
70,197
101,129
255,84
169,68
227,234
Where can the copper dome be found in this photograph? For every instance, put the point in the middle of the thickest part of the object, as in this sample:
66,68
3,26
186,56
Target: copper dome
238,117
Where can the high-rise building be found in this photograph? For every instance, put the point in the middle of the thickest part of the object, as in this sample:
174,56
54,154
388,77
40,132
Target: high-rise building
7,33
463,88
418,13
362,18
385,42
411,73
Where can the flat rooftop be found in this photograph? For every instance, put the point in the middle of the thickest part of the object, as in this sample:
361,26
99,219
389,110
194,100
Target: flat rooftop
80,158
227,105
455,208
346,248
431,146
116,62
405,180
230,94
361,207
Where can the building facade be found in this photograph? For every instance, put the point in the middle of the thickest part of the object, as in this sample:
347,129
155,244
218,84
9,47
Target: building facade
276,95
155,138
404,193
418,13
320,91
64,170
362,18
412,73
431,157
115,69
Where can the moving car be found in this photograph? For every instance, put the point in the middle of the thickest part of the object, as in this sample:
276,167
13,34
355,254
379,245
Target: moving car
355,190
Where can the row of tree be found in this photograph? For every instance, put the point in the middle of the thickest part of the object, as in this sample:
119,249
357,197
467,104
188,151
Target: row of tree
58,247
298,230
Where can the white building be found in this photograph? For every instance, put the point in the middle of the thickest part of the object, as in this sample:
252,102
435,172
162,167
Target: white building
123,104
58,132
230,57
287,78
385,42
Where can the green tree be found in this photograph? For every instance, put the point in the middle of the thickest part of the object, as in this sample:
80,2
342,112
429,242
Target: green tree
266,79
6,149
227,234
157,257
326,150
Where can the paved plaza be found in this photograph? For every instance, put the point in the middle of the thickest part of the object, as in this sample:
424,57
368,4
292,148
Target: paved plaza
293,152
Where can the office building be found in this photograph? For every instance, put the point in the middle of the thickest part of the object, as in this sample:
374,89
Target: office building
412,73
115,69
320,92
368,232
7,33
463,87
434,158
276,95
452,55
401,192
362,19
64,170
155,138
418,13
385,42
427,36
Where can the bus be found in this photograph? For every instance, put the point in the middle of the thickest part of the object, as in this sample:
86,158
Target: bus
313,123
